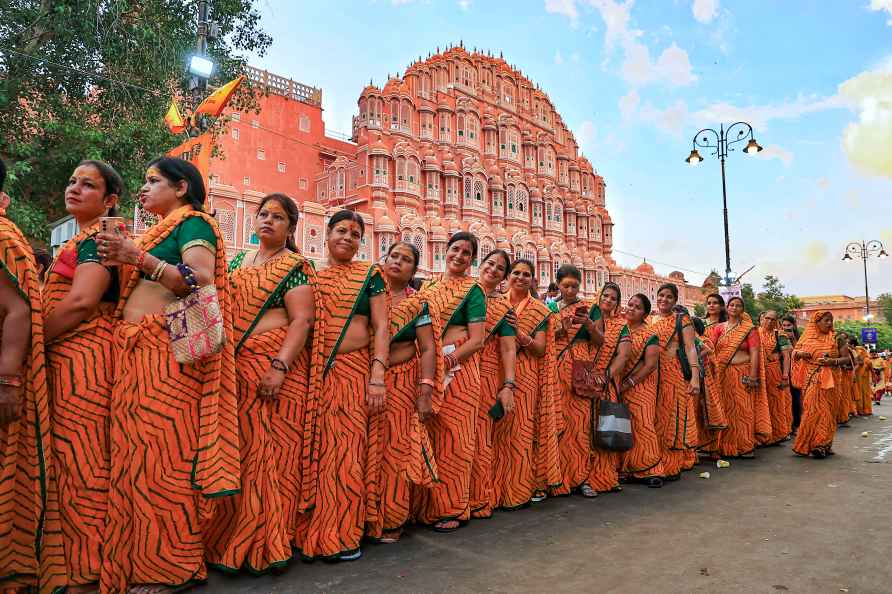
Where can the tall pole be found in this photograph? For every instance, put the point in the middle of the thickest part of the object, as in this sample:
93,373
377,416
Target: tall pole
727,236
201,45
866,293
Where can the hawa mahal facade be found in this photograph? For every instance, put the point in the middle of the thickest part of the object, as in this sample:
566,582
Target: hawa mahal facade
461,141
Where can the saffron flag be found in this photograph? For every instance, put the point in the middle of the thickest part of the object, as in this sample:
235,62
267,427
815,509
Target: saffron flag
173,119
197,151
216,101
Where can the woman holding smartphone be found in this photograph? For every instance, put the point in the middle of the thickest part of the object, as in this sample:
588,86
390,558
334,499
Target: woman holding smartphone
80,295
576,339
497,383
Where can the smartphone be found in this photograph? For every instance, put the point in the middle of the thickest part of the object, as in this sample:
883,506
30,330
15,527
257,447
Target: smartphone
582,311
497,411
112,225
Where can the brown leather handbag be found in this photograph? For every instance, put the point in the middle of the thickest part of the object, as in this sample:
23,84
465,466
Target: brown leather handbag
583,377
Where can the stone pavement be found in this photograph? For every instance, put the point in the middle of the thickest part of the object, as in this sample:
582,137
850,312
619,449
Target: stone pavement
775,524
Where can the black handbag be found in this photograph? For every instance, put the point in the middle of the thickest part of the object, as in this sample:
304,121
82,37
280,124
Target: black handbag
614,424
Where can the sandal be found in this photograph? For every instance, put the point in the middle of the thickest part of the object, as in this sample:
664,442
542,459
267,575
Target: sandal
586,491
653,482
447,526
391,536
539,496
350,555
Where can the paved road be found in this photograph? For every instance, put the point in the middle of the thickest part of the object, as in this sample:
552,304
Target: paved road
775,524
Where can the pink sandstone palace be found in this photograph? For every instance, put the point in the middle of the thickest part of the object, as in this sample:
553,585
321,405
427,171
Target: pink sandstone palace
460,141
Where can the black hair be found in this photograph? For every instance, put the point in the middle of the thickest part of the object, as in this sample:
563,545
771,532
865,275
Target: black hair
615,287
464,236
347,215
699,325
723,313
552,287
853,341
290,207
645,302
415,253
742,302
504,254
114,184
532,268
2,174
177,170
568,270
672,288
44,261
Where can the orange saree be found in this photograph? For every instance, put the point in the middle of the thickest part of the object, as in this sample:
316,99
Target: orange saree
400,449
747,409
676,409
711,417
818,425
863,401
337,419
173,439
453,428
526,455
31,552
255,528
644,460
491,378
780,405
79,374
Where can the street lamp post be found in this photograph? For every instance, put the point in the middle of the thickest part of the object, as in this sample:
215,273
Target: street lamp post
864,250
721,142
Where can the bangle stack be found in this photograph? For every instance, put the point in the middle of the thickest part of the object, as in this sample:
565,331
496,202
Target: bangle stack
278,365
524,345
381,361
426,381
141,259
13,380
508,383
188,276
158,271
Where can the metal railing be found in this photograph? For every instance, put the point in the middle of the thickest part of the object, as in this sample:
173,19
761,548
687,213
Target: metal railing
286,87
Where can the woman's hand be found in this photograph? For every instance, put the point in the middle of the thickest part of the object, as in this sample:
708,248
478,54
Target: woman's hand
270,384
375,396
511,318
10,403
116,248
423,403
694,384
506,397
801,355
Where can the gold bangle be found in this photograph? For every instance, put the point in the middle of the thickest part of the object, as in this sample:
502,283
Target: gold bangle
159,270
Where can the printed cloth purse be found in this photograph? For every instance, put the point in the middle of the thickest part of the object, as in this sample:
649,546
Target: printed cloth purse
195,325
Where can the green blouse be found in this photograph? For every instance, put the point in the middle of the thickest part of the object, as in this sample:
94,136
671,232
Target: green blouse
87,252
191,232
375,287
503,328
296,278
471,310
409,332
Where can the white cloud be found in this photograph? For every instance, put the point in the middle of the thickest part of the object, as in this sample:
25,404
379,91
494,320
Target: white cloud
564,7
464,4
705,10
628,104
585,136
886,5
775,152
672,67
558,58
575,57
760,115
671,120
866,142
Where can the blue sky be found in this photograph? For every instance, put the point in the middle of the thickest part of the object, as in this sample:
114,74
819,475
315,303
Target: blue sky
635,81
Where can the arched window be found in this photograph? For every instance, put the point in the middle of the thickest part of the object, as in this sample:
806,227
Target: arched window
514,146
400,170
406,117
557,266
548,212
478,191
596,228
521,200
473,131
468,188
460,127
558,212
418,241
341,178
486,246
445,129
510,200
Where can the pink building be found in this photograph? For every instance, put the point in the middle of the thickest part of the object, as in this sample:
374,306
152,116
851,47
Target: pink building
460,141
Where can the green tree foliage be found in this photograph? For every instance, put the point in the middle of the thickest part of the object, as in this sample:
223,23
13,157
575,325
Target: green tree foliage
699,310
853,328
63,97
773,297
885,303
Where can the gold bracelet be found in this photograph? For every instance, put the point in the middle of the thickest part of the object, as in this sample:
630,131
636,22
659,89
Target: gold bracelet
159,270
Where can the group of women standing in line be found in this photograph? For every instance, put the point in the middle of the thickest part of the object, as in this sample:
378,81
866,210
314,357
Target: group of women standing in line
345,404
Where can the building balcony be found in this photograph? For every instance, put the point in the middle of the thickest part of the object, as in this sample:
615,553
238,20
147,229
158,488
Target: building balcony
380,181
433,194
407,187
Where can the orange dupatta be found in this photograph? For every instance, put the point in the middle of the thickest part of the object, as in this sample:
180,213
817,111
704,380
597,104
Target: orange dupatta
816,343
726,346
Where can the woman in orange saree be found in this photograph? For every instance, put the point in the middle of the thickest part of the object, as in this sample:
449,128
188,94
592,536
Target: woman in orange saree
716,312
31,553
775,351
273,316
638,388
526,459
847,377
711,417
400,451
863,395
842,407
676,395
814,358
461,306
497,384
741,379
174,426
352,301
79,299
578,339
